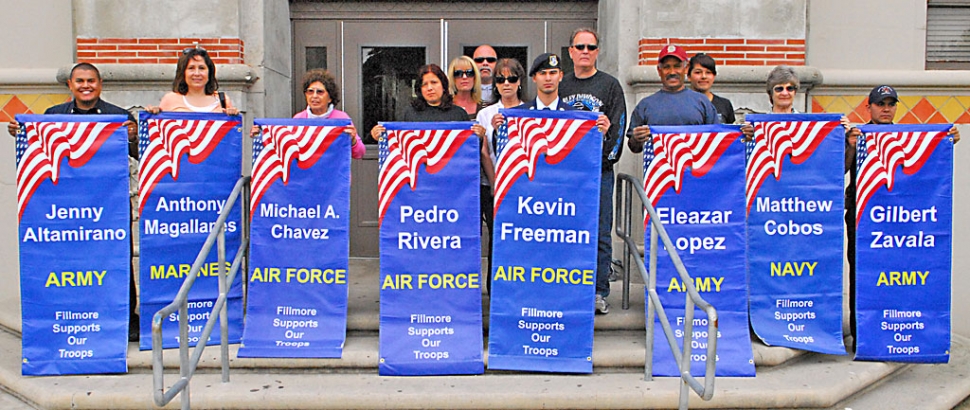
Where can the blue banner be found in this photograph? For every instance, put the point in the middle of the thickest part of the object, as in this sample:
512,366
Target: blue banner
795,203
431,283
189,165
299,246
904,242
74,243
694,177
547,183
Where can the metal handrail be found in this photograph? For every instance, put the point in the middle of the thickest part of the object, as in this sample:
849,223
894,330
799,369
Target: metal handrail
187,365
626,186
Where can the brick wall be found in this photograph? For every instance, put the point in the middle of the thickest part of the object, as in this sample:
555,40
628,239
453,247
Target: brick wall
155,50
731,51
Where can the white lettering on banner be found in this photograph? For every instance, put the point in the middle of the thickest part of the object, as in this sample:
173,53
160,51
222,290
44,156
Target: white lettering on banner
187,204
793,204
527,206
82,212
511,232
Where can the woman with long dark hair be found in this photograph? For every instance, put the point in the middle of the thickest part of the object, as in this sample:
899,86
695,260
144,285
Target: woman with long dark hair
195,87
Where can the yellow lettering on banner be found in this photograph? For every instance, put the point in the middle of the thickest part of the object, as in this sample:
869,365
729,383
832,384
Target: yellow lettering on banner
448,281
902,278
702,284
401,281
562,275
75,278
793,268
510,273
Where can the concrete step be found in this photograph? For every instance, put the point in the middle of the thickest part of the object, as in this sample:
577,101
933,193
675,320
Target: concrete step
10,402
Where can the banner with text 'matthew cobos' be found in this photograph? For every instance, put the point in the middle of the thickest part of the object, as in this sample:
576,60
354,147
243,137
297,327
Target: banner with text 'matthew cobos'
73,210
694,177
547,183
189,165
904,242
300,244
795,203
430,241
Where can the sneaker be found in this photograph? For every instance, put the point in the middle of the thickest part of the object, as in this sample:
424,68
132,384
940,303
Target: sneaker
602,307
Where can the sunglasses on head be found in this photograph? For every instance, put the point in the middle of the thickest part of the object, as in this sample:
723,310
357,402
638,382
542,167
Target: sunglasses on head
198,51
584,47
469,73
510,79
480,60
315,91
790,88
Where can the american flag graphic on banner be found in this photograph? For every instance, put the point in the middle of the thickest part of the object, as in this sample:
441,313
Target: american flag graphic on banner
522,139
772,142
164,141
671,154
41,146
278,146
880,154
402,152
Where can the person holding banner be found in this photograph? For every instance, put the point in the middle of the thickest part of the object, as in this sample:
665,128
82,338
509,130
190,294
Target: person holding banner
195,87
701,72
432,104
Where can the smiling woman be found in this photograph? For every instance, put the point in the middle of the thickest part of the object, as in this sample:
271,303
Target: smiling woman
195,87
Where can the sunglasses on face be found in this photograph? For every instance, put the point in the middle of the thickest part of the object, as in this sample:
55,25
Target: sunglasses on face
512,79
198,51
469,73
315,91
790,88
584,47
480,60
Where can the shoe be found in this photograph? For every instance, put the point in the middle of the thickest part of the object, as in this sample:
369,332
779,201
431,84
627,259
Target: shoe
602,307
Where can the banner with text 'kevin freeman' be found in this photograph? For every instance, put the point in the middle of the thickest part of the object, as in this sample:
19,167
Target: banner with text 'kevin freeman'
189,165
547,183
794,182
73,208
904,242
300,244
431,257
694,177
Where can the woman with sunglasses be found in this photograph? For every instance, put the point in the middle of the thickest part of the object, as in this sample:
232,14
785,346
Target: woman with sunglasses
781,86
466,85
322,96
195,87
432,104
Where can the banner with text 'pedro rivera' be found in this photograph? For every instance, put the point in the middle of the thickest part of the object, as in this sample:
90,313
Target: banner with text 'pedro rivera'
300,246
430,229
794,182
694,177
189,165
73,209
547,183
904,242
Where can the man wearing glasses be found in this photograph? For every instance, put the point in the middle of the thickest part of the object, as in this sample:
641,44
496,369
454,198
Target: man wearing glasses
589,89
485,59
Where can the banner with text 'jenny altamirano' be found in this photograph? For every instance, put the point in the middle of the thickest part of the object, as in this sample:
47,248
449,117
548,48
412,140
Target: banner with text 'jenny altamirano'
73,209
430,241
694,177
547,182
794,182
189,164
904,242
300,243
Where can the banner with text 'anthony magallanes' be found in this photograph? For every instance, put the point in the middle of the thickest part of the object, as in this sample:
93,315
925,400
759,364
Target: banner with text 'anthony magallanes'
904,242
794,182
694,177
73,208
547,182
189,165
430,229
300,244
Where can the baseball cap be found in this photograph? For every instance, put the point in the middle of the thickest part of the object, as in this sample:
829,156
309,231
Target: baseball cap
882,92
544,61
672,50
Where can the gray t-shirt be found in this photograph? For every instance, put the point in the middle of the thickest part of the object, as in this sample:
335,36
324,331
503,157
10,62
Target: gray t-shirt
684,107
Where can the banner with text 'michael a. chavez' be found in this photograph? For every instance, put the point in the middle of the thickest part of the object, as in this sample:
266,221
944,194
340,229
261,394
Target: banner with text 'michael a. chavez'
430,240
694,177
795,202
299,251
73,210
904,242
547,183
189,165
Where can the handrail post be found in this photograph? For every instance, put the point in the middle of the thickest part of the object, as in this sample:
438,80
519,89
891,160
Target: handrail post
184,350
223,271
651,309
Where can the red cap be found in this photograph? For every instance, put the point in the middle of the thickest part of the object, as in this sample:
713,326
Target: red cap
672,50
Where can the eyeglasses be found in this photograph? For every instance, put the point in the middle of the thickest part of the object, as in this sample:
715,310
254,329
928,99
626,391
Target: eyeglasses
584,47
469,73
480,60
315,91
198,51
512,79
884,103
790,88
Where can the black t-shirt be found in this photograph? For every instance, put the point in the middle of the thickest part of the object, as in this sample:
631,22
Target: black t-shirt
725,108
602,93
434,114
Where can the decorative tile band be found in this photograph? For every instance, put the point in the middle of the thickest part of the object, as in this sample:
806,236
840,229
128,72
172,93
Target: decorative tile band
112,50
13,104
731,51
912,109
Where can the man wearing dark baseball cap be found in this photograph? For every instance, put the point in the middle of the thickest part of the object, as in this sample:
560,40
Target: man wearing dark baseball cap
674,104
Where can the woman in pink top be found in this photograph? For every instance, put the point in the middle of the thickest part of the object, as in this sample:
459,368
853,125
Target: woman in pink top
322,95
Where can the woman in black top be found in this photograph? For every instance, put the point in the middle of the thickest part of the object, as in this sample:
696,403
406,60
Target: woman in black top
701,74
433,104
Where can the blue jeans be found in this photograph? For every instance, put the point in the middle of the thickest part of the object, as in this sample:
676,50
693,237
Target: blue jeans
604,252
